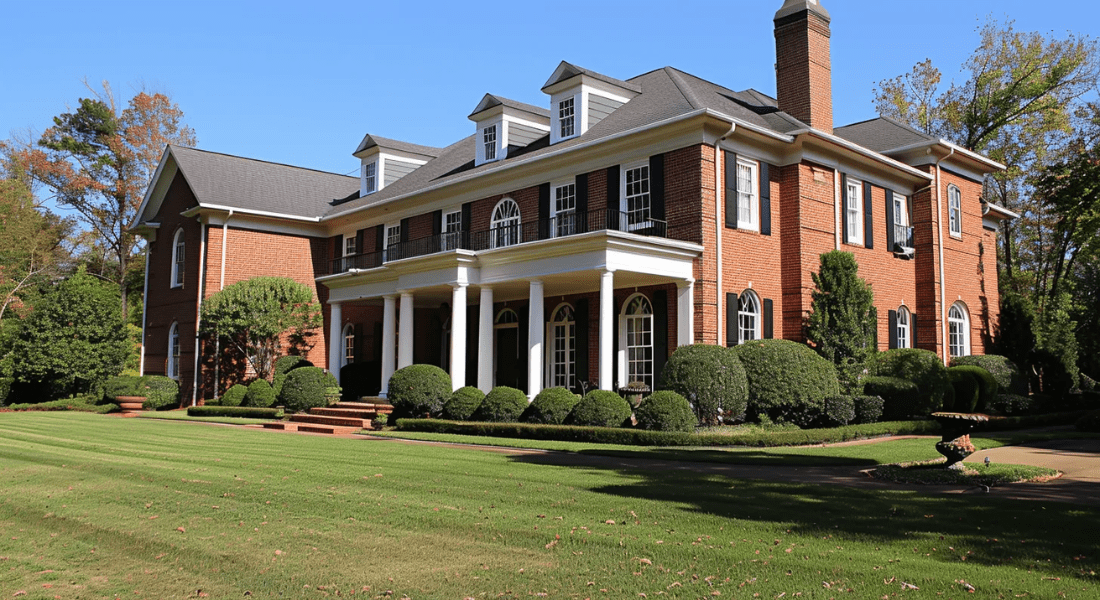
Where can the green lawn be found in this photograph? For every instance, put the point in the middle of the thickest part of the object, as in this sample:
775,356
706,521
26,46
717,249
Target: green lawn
101,507
181,415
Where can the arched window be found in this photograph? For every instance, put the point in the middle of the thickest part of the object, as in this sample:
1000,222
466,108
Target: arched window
506,318
903,330
563,351
748,317
173,367
954,209
348,338
505,224
637,339
177,259
958,330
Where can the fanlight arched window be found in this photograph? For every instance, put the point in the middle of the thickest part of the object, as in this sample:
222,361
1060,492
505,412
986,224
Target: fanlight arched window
748,317
637,339
958,330
173,367
177,259
348,338
506,318
563,351
904,332
505,224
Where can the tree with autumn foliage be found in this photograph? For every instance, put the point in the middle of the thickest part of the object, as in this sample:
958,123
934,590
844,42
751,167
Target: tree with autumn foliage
98,160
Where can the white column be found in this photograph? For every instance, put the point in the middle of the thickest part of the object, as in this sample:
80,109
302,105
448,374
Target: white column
405,341
685,312
485,358
389,340
458,336
335,344
607,313
536,330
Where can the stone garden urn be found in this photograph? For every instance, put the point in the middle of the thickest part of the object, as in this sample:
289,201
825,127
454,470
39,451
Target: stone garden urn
955,444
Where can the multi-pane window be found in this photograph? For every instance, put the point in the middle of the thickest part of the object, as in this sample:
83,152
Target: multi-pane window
637,196
173,366
903,235
853,211
954,210
370,178
563,352
505,224
489,138
565,207
638,328
393,242
177,259
748,318
565,117
958,324
903,328
452,230
349,245
748,206
349,344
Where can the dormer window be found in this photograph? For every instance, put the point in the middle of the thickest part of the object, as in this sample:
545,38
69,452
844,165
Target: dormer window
503,126
489,139
370,178
580,99
565,118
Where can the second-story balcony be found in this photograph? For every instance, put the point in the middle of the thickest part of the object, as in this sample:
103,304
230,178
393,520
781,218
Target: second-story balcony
903,238
561,226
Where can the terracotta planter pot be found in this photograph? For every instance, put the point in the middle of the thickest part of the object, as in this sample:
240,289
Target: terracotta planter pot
130,403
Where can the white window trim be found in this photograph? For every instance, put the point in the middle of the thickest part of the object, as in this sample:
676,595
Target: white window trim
179,260
624,351
172,366
572,118
753,224
365,189
569,228
483,131
571,367
904,319
855,230
516,222
353,238
954,209
623,200
757,317
450,239
345,333
964,334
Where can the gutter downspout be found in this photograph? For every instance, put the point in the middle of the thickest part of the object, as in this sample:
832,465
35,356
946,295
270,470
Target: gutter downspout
718,226
144,310
221,286
838,214
943,290
198,310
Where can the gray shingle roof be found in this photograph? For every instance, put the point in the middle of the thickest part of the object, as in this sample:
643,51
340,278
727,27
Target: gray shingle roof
490,100
882,134
569,70
249,184
370,141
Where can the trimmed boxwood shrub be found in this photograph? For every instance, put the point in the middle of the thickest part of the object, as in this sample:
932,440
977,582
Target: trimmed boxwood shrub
159,392
123,385
899,396
260,394
551,406
284,365
788,381
666,411
839,410
966,385
1012,405
1007,375
600,408
305,388
5,389
921,367
1089,422
234,396
419,390
502,404
868,409
244,412
711,378
987,385
463,403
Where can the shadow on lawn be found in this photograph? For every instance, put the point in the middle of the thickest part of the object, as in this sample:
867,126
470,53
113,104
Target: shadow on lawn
737,457
1045,536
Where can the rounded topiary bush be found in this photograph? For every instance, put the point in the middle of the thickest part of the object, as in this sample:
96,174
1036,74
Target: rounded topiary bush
600,408
550,407
234,396
839,410
1012,405
419,390
788,381
1007,375
986,384
260,394
284,365
159,392
666,411
463,403
305,388
123,385
502,404
711,378
868,409
921,367
965,384
899,396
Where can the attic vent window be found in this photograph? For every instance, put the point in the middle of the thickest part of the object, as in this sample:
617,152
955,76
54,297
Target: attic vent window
370,178
489,138
565,117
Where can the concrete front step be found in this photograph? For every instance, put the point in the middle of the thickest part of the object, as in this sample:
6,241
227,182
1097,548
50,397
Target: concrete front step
311,428
335,421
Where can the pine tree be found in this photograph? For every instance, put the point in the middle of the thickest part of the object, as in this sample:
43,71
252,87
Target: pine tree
842,321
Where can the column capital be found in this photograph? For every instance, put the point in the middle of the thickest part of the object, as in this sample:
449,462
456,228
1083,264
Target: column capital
685,283
405,293
460,284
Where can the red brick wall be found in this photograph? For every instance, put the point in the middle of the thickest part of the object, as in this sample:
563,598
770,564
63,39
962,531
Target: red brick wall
969,261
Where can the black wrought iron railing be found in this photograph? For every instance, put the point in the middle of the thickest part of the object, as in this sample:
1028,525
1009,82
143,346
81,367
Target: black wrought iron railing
903,236
563,225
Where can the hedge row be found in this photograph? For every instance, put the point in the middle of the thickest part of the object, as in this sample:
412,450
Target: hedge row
73,404
245,412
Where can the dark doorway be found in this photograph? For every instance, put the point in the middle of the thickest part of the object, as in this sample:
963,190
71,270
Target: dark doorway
509,362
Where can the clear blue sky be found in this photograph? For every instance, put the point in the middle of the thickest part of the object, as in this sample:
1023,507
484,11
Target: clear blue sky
302,82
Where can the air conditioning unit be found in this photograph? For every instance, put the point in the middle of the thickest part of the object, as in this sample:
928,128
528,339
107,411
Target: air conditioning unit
904,251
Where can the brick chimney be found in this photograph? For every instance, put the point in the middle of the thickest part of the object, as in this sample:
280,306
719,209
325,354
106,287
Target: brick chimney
803,70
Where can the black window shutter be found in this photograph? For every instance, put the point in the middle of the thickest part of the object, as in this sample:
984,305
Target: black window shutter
843,208
890,222
613,197
769,332
467,223
660,333
581,343
892,319
731,319
582,204
360,241
379,237
544,211
657,186
912,330
334,246
437,229
868,220
730,161
765,199
405,229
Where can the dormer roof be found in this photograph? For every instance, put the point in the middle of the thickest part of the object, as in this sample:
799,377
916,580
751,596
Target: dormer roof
489,102
567,71
373,141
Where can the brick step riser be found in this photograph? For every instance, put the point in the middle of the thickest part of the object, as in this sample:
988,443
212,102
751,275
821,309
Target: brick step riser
334,421
363,406
343,412
306,427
